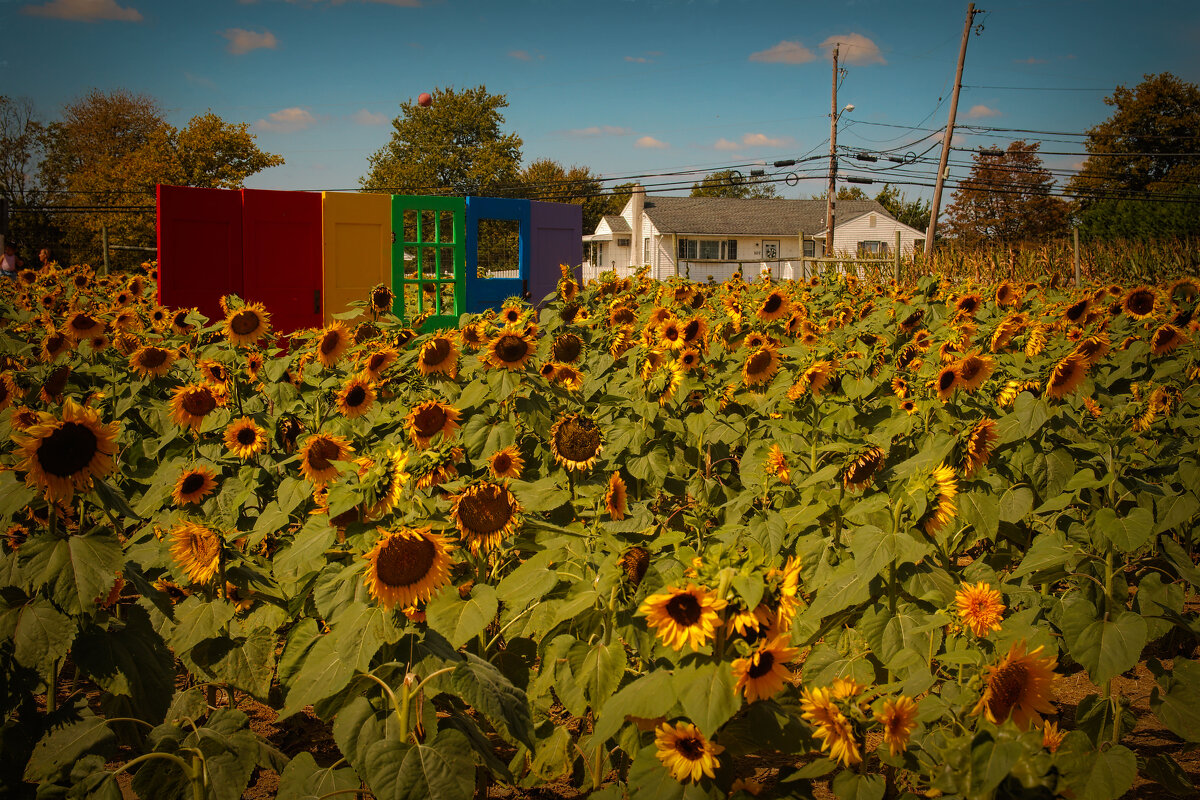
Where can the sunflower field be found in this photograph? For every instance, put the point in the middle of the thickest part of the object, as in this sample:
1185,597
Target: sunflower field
655,540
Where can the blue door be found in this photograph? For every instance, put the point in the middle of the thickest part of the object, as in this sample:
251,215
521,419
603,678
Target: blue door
497,259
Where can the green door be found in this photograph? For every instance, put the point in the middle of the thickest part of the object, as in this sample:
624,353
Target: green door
429,259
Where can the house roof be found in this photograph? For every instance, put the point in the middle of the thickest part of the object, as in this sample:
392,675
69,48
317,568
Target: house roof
723,216
617,223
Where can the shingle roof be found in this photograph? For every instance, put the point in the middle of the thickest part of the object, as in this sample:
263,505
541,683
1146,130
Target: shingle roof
617,223
730,216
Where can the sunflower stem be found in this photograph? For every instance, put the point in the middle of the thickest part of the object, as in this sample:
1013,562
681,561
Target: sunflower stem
52,689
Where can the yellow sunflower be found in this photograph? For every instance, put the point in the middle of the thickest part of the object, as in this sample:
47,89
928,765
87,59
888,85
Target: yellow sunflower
474,335
428,419
685,752
508,349
763,673
407,566
972,371
197,551
245,439
761,365
356,397
54,345
247,324
776,464
576,442
179,321
774,306
439,355
318,454
150,361
485,514
567,348
980,607
683,616
634,562
213,371
615,497
1165,339
378,361
978,446
506,463
54,386
1092,349
194,484
332,343
898,718
863,469
1020,686
832,728
946,382
81,325
942,506
1052,737
1139,303
62,456
385,481
1066,376
192,403
382,298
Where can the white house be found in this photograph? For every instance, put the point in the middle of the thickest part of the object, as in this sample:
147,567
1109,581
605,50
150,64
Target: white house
702,237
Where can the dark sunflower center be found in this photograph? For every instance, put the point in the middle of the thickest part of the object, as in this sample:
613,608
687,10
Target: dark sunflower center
436,352
199,403
671,333
1141,303
1075,312
330,342
946,380
1065,373
356,396
567,348
969,368
1007,685
760,362
967,305
56,342
191,483
83,323
568,313
321,453
244,322
578,439
180,320
429,420
153,357
486,509
623,316
377,361
761,665
503,463
1163,337
773,303
247,436
690,748
381,298
512,315
68,450
511,348
57,381
684,609
688,359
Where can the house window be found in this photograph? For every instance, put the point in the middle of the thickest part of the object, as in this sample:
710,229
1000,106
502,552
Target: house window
687,248
598,253
810,248
710,250
646,250
872,249
622,243
729,249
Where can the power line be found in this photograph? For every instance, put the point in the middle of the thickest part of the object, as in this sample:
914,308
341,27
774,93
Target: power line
1039,88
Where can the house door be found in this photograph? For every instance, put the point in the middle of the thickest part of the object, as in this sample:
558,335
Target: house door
429,259
497,266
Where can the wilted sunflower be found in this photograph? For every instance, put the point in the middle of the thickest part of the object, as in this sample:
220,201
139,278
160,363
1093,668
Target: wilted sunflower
62,456
356,397
247,324
1020,686
774,306
197,551
980,607
81,325
898,718
1139,303
54,345
245,439
776,464
1066,376
485,514
576,442
151,361
1007,294
53,387
1165,339
862,470
382,298
386,480
761,365
439,355
977,446
506,463
407,566
620,315
508,349
946,382
318,454
194,484
1093,348
192,403
832,728
615,497
568,289
332,343
567,348
634,562
942,506
428,419
127,319
972,371
684,751
763,673
473,335
683,616
8,390
967,305
1076,313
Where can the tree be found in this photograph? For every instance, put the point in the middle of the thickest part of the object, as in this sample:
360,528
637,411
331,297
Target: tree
455,147
849,193
1006,199
1147,146
22,146
546,179
913,213
731,183
212,153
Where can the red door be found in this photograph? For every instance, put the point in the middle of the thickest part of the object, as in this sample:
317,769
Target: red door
281,252
199,247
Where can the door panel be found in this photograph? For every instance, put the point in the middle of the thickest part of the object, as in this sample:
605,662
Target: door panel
357,247
557,233
199,235
429,259
281,252
490,292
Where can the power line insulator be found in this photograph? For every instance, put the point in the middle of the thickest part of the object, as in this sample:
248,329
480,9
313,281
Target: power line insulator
991,151
865,157
787,162
856,179
757,173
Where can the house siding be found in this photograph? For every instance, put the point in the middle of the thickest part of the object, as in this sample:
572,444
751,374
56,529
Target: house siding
849,235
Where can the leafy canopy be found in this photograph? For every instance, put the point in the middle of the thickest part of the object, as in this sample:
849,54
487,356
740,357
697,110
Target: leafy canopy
731,183
1006,199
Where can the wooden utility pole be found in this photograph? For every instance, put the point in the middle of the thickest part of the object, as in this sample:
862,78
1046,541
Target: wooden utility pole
831,198
949,134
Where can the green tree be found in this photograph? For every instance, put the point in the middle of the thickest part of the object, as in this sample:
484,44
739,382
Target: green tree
455,146
913,213
1147,146
731,183
22,147
546,179
1006,199
212,153
850,193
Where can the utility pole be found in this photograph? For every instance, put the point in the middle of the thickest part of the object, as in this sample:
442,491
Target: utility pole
831,199
949,134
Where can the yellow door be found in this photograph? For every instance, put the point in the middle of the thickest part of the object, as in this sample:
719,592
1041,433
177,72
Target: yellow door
357,247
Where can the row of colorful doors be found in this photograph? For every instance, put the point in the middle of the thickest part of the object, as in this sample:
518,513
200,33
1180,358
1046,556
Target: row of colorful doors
307,256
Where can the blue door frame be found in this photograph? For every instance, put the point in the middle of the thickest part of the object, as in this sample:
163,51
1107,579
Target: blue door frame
485,293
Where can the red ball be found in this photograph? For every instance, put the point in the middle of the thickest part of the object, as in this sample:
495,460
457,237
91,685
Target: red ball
424,100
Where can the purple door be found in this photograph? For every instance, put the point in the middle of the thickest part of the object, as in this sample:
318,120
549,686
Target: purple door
556,231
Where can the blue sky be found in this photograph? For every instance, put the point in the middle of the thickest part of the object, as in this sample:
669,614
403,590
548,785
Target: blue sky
625,87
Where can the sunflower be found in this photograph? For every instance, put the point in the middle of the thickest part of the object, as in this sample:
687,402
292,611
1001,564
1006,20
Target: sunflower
54,344
382,298
317,455
332,343
439,355
946,382
567,289
386,480
1076,313
670,335
407,566
862,470
151,361
511,315
1020,686
508,349
214,372
62,456
567,348
763,673
978,446
82,325
474,335
192,403
485,514
194,484
197,551
245,439
980,607
247,324
620,315
159,318
634,562
8,390
1165,339
616,497
179,322
428,419
689,359
379,361
967,305
761,365
942,506
1066,376
686,616
776,464
127,320
684,751
774,306
576,442
356,397
1006,294
55,384
1093,348
568,377
898,718
972,371
506,463
695,332
832,727
1139,303
1052,737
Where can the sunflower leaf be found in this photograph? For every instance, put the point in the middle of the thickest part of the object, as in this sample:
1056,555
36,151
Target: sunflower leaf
443,768
1127,533
113,499
1105,647
39,633
131,662
459,619
706,692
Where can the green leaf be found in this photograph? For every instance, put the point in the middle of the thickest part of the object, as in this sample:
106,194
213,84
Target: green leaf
131,662
305,556
597,669
706,692
14,494
543,495
302,779
1026,418
291,493
64,746
1181,561
113,499
1046,557
1176,699
1175,511
649,697
1126,533
40,634
443,768
362,722
1165,771
322,674
529,582
649,779
199,619
245,662
1015,504
461,620
1112,774
849,785
484,688
360,630
981,510
875,549
847,586
1105,647
78,570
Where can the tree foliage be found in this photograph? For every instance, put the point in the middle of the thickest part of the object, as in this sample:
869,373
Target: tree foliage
731,183
1006,199
913,213
1147,146
22,146
546,179
456,146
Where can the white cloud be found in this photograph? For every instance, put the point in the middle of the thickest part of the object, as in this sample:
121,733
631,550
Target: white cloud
650,142
600,130
1030,60
854,48
520,55
762,140
725,144
243,41
638,59
287,120
199,80
785,53
982,112
364,117
84,11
